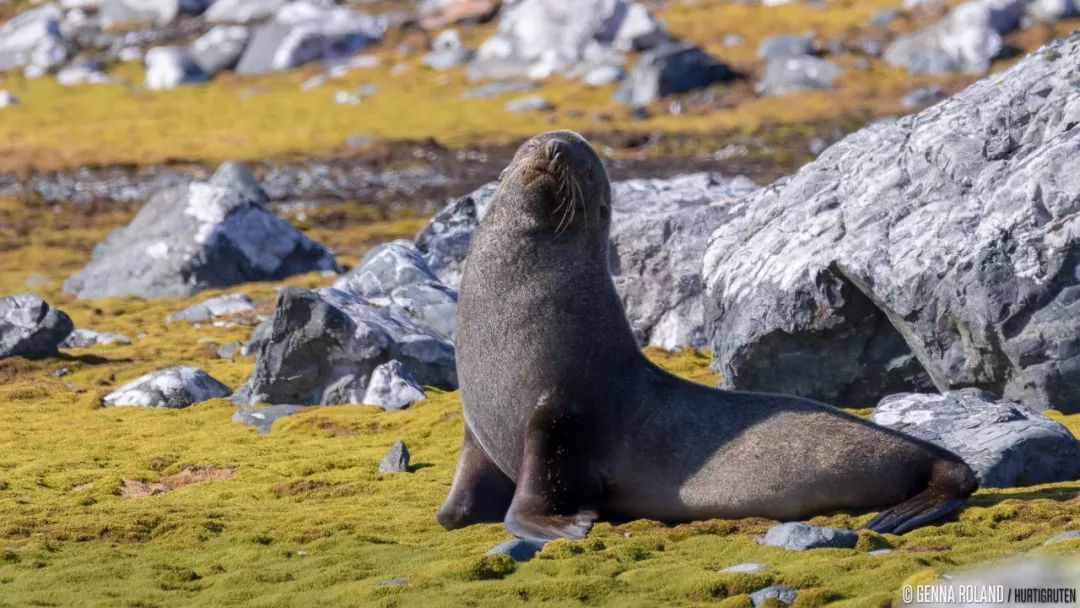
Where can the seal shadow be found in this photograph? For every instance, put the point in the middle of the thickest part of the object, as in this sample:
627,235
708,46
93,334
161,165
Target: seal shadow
412,468
90,359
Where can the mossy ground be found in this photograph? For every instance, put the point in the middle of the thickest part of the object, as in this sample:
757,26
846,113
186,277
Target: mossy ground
307,520
235,117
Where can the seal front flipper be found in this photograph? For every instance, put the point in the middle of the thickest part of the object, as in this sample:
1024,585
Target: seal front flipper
558,490
480,493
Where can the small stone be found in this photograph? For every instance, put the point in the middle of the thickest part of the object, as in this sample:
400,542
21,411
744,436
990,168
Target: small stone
60,373
879,551
36,279
85,338
263,418
500,88
922,96
358,141
394,582
817,145
781,592
229,304
1071,534
787,45
794,74
883,17
519,550
732,40
746,567
30,327
532,103
605,74
7,99
228,350
396,460
798,536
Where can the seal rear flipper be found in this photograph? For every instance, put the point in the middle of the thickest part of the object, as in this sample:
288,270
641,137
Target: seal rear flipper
950,483
557,490
480,493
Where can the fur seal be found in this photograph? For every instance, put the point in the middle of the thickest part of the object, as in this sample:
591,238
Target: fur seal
567,421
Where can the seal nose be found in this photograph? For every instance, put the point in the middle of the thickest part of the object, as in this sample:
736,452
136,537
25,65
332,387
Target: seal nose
554,148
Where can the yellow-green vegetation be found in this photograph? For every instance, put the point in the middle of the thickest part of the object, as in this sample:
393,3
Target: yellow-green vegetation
305,519
244,118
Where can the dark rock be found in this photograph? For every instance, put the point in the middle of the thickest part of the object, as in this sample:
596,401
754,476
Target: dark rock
797,536
1006,444
396,460
520,550
195,237
929,248
674,67
29,327
263,418
174,387
324,345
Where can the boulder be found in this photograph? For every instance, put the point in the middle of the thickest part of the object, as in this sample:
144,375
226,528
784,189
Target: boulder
530,103
673,67
396,460
392,387
198,236
447,51
783,593
220,48
208,310
242,11
938,248
29,327
794,74
168,67
966,40
32,40
85,338
173,387
324,345
538,38
797,536
1006,444
302,32
116,13
395,276
263,418
659,231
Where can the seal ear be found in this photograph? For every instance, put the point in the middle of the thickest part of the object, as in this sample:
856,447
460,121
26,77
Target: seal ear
557,494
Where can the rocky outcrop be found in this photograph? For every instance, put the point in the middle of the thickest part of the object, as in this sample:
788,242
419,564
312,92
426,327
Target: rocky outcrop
323,347
29,327
538,38
1006,444
659,231
174,387
940,248
302,31
194,237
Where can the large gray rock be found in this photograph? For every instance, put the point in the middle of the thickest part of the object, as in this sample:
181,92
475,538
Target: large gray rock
324,345
194,237
29,327
673,67
220,48
659,231
173,387
168,67
967,39
940,247
32,39
798,536
302,32
538,38
114,13
447,51
395,276
242,11
1006,444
